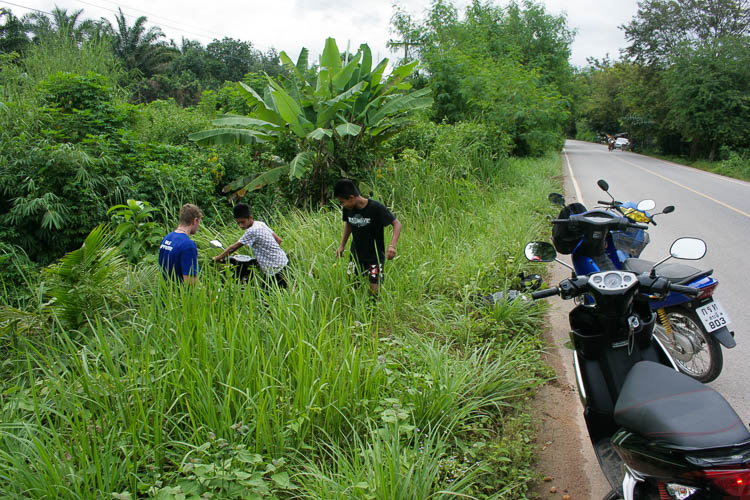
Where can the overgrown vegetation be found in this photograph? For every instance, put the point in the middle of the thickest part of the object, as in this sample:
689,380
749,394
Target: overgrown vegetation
117,385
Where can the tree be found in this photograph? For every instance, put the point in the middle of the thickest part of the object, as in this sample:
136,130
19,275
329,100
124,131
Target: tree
41,25
345,107
140,48
12,34
508,66
662,27
708,88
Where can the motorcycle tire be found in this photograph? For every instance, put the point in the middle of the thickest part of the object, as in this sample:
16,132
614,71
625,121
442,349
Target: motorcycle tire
698,353
612,495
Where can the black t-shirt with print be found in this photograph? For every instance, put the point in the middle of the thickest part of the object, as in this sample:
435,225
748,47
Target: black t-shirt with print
367,231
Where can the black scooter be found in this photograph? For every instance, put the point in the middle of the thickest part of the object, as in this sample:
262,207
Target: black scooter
657,433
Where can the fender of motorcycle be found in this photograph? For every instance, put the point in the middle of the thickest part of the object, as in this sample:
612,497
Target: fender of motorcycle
724,336
675,298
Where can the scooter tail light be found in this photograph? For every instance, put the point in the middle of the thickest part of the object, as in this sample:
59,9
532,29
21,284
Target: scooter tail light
735,483
708,291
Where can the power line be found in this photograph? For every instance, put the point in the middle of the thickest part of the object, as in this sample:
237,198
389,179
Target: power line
181,30
156,16
213,35
27,8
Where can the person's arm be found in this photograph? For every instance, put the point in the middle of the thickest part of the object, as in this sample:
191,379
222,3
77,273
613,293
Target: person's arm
277,238
232,248
391,250
344,239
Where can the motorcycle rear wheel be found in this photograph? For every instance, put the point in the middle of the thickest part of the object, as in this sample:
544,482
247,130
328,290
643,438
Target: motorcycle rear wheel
696,352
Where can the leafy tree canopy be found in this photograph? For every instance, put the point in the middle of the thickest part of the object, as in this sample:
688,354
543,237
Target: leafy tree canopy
662,27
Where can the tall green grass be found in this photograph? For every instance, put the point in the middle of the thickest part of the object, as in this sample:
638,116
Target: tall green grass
318,391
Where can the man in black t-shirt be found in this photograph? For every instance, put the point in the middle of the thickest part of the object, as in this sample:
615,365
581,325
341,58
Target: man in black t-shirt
365,219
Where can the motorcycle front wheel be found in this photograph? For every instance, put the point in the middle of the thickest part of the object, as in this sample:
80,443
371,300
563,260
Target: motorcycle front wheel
696,352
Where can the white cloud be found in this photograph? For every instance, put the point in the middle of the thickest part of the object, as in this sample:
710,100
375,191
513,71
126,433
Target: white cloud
290,25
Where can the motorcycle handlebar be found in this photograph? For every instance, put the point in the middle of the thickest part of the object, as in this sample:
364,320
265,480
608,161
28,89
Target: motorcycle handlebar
605,202
687,290
549,292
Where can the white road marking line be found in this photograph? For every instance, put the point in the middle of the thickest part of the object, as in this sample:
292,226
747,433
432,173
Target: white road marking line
686,187
579,196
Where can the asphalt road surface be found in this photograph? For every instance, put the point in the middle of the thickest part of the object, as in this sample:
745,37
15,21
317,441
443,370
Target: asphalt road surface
708,206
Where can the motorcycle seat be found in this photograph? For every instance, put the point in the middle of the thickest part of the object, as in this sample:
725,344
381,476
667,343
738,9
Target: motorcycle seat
662,404
679,274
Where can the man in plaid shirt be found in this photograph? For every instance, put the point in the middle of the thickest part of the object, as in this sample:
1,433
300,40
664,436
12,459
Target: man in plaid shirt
264,242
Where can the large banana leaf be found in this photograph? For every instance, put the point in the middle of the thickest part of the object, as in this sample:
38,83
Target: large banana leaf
342,78
320,133
397,76
329,109
290,111
267,177
218,136
416,100
366,66
323,84
234,121
299,165
302,61
250,92
298,70
331,57
348,129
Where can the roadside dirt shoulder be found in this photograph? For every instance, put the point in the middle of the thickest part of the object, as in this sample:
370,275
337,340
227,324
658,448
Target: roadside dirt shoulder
565,457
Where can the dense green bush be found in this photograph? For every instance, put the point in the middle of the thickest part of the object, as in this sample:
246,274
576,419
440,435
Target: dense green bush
167,122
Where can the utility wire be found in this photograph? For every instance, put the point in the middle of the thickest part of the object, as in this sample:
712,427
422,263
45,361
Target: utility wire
175,28
27,8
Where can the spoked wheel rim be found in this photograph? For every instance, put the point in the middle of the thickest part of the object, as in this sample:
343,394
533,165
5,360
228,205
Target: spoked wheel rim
690,351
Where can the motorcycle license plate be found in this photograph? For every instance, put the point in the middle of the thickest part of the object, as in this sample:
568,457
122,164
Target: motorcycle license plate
712,315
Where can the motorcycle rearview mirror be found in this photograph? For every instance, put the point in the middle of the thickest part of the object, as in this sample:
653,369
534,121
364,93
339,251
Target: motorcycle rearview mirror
543,251
556,199
604,186
216,244
646,205
688,249
668,209
685,249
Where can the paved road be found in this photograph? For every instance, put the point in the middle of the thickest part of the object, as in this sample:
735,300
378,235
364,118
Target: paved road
708,206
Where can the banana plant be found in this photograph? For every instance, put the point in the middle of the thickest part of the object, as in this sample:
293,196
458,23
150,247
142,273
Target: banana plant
348,102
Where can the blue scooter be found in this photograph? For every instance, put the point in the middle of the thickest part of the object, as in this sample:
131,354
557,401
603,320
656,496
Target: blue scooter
691,328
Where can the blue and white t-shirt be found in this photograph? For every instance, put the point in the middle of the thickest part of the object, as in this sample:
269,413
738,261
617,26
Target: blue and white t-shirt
178,256
271,258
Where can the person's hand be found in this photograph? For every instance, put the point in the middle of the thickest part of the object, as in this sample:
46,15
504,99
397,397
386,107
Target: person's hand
217,259
339,251
390,252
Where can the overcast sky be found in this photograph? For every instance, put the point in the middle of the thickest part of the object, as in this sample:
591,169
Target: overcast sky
290,25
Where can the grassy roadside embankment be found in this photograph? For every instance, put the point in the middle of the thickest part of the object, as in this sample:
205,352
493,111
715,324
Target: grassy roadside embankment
316,392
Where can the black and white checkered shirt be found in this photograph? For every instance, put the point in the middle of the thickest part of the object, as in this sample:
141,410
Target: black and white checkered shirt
271,258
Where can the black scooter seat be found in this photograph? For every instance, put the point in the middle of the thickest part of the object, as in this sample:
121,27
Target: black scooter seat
662,404
679,274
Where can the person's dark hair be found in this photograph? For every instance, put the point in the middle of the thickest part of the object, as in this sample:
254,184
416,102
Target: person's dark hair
344,188
241,211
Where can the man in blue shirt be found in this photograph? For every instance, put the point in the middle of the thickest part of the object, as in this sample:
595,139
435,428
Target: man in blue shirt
178,254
